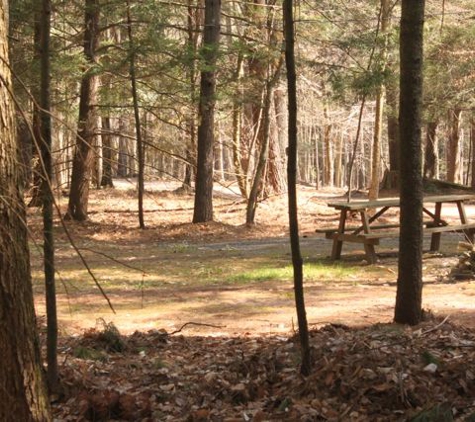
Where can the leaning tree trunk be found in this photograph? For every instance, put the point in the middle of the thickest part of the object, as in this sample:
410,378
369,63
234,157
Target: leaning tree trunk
87,121
408,308
23,393
203,207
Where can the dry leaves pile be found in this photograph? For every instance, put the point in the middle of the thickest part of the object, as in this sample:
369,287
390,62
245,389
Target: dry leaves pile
377,373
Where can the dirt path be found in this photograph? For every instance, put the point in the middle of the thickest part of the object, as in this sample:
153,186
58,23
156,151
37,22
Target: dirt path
228,277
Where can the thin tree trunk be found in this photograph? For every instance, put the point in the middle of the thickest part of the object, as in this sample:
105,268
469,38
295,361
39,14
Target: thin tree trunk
37,181
431,155
203,207
453,151
106,135
47,201
472,142
241,173
194,20
408,309
138,130
23,394
87,121
329,165
297,260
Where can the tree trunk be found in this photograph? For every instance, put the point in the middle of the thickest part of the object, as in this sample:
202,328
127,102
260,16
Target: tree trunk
138,129
203,207
297,260
48,201
36,188
431,155
329,165
453,149
472,143
194,18
408,309
87,121
23,393
258,180
275,176
239,170
106,135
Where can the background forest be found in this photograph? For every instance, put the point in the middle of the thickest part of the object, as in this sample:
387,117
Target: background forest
203,93
115,58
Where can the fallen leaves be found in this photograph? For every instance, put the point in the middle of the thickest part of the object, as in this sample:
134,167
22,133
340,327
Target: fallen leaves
376,373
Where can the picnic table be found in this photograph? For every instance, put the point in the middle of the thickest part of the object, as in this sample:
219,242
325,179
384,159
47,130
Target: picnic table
369,229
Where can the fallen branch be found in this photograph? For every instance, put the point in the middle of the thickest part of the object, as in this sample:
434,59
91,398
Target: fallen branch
436,327
195,323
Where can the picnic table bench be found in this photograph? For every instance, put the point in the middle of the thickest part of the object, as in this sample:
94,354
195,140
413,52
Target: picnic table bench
370,230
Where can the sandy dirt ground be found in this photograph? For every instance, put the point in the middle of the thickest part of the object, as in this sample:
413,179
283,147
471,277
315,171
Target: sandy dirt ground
170,243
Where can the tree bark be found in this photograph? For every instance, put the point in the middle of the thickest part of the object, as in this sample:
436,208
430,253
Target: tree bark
453,148
203,207
472,158
23,392
408,309
297,260
106,135
138,128
194,21
48,201
87,121
431,155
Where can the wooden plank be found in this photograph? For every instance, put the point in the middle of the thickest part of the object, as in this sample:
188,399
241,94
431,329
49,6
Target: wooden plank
394,202
353,228
427,230
359,238
362,205
450,228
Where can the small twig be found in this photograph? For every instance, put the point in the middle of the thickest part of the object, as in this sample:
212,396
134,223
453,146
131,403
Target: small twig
436,327
114,260
195,323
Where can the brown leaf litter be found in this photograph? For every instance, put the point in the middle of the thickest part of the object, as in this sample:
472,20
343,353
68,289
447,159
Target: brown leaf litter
383,372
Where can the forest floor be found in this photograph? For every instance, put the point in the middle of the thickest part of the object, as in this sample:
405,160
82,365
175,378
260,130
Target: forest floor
204,320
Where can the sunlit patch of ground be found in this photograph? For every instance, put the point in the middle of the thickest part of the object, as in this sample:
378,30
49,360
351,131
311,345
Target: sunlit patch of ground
224,274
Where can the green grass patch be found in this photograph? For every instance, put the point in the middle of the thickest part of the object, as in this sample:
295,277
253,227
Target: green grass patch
314,271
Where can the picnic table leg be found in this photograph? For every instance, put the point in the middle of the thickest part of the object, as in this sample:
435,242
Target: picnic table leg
435,237
371,256
464,220
338,244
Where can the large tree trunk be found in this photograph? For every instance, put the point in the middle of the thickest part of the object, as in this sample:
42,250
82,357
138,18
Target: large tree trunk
87,121
453,148
203,207
408,308
23,393
431,155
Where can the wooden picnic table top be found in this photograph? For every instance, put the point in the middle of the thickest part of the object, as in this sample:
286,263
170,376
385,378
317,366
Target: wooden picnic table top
395,201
